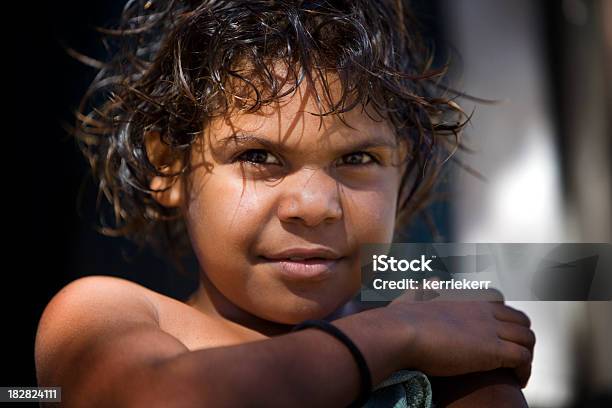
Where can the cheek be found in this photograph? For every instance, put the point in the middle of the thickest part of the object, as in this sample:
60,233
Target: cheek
225,213
370,214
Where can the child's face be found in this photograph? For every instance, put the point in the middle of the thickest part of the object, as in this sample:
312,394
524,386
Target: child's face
318,187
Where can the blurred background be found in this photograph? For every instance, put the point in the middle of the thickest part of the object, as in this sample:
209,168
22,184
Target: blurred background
543,152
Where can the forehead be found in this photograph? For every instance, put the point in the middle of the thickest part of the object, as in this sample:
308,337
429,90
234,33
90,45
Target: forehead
290,121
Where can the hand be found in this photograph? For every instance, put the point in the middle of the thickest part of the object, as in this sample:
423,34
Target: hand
453,337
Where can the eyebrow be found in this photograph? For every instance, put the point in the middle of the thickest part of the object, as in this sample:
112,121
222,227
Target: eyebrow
242,139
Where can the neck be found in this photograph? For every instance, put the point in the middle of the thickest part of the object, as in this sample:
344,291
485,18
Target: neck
208,300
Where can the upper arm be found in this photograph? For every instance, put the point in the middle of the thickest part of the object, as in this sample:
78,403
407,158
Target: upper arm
98,337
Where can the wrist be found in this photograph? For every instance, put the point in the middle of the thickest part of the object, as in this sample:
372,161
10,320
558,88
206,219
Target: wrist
383,342
401,333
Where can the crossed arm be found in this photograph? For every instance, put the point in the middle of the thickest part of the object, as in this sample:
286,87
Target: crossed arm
109,351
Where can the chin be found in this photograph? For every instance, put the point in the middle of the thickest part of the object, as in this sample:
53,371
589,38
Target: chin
297,309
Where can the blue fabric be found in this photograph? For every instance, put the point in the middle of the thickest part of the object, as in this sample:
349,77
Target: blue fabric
403,389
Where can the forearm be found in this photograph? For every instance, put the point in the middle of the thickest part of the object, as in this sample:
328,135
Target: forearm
498,388
306,368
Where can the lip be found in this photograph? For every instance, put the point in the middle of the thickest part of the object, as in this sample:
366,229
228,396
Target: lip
311,252
307,270
317,264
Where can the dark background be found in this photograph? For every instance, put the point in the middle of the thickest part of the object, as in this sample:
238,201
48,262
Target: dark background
47,242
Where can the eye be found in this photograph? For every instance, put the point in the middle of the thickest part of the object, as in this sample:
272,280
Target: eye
358,158
257,156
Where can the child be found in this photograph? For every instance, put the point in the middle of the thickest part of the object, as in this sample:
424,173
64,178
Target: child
277,136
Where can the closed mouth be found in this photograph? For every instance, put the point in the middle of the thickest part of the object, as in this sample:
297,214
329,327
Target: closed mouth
303,254
315,269
307,261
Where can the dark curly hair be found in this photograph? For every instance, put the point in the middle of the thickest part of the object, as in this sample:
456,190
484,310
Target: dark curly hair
174,65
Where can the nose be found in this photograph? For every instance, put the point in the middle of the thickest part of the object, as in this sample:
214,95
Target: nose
310,197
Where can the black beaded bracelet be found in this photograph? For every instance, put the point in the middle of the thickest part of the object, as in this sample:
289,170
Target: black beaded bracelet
364,371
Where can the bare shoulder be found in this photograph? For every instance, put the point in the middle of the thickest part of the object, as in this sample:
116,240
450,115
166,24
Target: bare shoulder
93,289
87,301
95,332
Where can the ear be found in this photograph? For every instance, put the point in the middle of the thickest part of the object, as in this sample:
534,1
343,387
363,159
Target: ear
167,161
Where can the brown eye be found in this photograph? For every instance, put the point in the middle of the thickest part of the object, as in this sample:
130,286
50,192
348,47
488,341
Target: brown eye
258,156
358,158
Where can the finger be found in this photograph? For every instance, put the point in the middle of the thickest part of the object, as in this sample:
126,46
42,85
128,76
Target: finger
493,295
523,373
517,334
508,314
513,355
